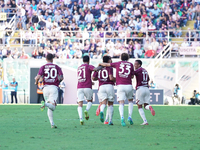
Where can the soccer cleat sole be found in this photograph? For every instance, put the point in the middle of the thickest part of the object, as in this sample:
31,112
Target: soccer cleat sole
105,122
98,110
101,117
152,110
54,127
143,124
86,115
82,122
130,121
110,123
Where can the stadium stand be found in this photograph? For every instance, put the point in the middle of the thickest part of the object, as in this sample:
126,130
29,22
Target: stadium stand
70,29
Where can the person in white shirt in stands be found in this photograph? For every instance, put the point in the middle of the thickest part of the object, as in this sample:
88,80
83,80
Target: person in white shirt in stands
123,12
77,17
195,43
154,45
103,16
129,6
185,43
174,49
89,17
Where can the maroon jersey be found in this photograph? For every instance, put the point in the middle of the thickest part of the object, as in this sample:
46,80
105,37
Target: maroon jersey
103,76
142,77
124,72
84,76
50,73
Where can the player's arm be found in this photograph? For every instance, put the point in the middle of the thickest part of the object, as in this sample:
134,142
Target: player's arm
112,78
95,76
98,68
37,79
60,78
105,64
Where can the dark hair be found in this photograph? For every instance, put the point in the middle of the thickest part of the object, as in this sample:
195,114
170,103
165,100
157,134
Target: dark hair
139,62
86,58
106,59
124,56
49,57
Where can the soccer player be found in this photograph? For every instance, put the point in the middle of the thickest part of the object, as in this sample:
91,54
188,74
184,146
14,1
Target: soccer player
84,87
52,76
142,90
106,90
124,75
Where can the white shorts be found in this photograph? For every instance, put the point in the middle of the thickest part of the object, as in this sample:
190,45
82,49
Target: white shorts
50,93
106,91
84,93
142,95
124,92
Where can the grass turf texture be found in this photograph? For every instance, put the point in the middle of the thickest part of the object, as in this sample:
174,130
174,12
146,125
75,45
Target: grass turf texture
25,127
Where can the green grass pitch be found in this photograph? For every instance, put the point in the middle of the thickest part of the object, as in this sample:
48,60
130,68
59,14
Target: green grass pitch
25,127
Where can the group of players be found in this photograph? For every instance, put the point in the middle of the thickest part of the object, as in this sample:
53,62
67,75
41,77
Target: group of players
52,75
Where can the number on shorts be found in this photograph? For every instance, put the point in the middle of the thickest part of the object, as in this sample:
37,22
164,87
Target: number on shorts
103,74
52,73
145,75
125,69
81,73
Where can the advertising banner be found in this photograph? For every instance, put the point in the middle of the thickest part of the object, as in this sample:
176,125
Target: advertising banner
189,50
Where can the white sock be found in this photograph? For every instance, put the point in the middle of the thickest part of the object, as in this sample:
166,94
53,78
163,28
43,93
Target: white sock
107,114
89,104
121,110
50,115
47,104
80,113
142,114
130,109
102,107
147,107
110,112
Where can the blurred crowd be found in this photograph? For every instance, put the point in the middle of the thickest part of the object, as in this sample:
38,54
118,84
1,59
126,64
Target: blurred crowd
139,27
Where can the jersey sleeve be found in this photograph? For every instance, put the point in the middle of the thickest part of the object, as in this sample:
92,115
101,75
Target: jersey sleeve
91,67
59,71
95,74
114,65
41,71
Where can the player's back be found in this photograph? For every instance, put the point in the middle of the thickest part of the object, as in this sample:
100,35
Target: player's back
50,74
84,76
124,72
103,76
142,77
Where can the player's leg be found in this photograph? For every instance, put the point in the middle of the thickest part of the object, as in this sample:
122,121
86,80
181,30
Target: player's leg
89,96
98,109
130,103
121,96
110,112
142,114
102,95
139,102
103,105
50,95
80,99
107,116
147,101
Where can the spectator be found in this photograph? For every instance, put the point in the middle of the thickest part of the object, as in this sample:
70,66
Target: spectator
4,86
14,86
149,53
197,23
154,45
152,85
185,43
24,56
89,17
